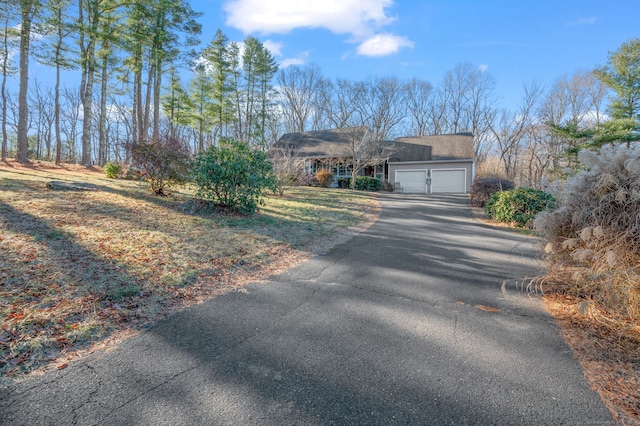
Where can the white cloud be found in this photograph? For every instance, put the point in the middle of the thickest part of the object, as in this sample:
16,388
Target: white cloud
355,17
290,61
383,44
584,21
483,67
300,60
275,47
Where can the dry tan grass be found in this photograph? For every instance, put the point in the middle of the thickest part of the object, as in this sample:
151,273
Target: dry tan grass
81,267
593,271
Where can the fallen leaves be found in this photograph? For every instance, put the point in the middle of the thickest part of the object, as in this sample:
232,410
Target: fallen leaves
15,316
609,352
487,308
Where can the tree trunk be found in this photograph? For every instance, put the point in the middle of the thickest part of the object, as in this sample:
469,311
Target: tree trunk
56,101
56,96
147,101
23,107
102,134
87,106
138,101
3,155
156,99
88,52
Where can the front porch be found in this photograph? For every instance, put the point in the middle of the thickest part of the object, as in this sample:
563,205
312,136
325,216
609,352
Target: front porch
342,168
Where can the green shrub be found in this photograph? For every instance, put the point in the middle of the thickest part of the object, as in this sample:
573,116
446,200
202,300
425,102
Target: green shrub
367,183
519,206
344,183
325,177
233,176
112,170
485,186
162,162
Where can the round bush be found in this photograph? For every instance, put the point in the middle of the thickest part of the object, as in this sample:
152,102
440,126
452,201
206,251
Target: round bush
112,170
485,186
368,183
233,176
519,206
325,177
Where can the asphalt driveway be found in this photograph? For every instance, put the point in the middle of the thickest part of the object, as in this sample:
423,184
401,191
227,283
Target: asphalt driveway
419,320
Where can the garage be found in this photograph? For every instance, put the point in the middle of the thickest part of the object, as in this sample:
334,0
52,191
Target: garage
449,180
412,181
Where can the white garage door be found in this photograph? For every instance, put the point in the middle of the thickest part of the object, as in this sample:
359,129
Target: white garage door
448,181
412,182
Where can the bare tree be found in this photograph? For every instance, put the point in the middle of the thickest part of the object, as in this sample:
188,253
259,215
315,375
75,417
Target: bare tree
537,156
436,112
419,98
298,87
511,128
70,118
466,103
456,87
381,107
596,93
339,102
43,115
365,150
480,111
575,102
288,167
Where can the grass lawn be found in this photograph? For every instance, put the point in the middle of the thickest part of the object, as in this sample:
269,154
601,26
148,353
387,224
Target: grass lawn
78,266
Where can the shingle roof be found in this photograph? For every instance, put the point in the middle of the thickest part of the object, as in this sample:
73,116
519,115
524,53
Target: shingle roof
319,143
403,151
334,143
445,147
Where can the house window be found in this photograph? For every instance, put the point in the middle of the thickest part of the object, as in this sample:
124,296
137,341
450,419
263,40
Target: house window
342,170
379,171
311,167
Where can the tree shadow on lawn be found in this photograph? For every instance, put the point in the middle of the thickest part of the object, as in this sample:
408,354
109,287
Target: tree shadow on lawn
56,294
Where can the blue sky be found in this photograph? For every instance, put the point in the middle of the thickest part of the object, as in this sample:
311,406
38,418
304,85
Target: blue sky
515,41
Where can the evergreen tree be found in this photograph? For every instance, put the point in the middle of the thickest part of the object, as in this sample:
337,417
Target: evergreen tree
266,68
219,66
56,53
259,68
176,104
249,66
201,102
622,75
233,57
170,18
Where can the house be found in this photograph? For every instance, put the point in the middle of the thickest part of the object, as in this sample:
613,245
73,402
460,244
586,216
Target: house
449,167
422,164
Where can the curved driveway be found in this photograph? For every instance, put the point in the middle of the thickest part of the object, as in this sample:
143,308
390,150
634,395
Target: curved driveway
419,320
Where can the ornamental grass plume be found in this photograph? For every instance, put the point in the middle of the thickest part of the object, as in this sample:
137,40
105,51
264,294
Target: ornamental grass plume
595,231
